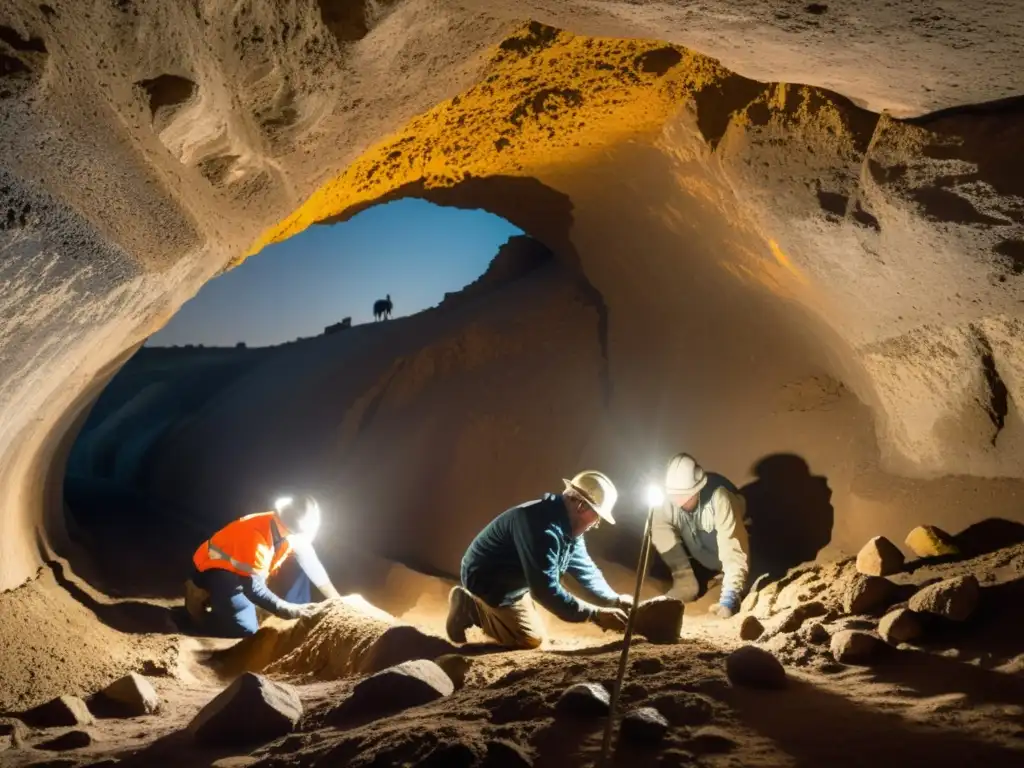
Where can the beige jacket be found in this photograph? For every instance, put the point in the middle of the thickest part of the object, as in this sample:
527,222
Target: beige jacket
714,534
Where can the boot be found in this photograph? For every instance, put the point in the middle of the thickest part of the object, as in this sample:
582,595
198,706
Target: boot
461,614
196,601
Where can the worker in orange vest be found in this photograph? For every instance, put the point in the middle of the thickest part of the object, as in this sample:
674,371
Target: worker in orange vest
233,565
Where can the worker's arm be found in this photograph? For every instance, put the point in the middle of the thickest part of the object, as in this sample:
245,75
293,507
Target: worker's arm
538,549
585,571
256,589
669,545
733,546
307,559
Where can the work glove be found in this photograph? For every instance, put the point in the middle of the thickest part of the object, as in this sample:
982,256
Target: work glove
721,611
298,610
610,619
625,602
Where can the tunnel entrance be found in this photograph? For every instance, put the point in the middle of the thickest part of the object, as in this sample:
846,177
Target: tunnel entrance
302,320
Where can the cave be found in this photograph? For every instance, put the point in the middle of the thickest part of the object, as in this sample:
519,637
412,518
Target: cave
784,238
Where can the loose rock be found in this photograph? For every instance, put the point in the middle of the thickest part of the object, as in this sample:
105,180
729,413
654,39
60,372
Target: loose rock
685,708
851,646
815,634
953,599
584,699
67,741
900,626
755,668
879,557
406,685
644,725
930,541
867,594
793,619
660,619
130,696
60,712
456,667
12,733
648,666
251,710
710,741
751,628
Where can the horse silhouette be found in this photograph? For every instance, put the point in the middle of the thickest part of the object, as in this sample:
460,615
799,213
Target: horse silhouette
382,308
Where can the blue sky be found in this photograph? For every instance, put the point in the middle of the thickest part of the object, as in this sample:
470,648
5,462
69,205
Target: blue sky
412,249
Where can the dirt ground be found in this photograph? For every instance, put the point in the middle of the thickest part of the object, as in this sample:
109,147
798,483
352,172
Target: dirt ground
955,699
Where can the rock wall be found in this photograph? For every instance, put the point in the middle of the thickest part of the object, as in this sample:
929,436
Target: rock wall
144,146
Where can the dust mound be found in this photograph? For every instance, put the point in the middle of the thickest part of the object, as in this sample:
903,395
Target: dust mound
345,639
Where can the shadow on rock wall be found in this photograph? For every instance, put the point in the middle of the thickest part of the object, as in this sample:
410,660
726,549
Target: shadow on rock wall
789,514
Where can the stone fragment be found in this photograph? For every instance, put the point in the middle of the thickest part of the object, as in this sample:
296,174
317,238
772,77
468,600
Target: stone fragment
585,700
710,740
130,696
13,733
660,619
644,725
851,646
403,686
649,666
755,667
60,712
930,541
815,634
456,667
867,594
900,626
879,557
751,628
953,599
67,741
251,710
685,708
793,619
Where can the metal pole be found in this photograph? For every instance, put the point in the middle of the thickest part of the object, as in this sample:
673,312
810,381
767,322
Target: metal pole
645,549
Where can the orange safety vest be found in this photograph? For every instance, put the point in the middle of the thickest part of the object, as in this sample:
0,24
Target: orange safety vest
245,547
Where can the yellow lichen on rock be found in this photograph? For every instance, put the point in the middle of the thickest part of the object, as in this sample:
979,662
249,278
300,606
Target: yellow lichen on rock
548,99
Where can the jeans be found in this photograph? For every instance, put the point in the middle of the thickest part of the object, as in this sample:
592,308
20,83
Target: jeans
233,600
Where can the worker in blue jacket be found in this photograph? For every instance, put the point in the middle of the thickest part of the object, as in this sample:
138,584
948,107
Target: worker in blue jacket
520,558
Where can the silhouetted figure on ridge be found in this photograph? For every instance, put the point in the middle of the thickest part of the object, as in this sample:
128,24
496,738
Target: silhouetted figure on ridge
382,308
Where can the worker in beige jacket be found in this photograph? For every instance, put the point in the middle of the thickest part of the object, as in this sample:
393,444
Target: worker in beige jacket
704,518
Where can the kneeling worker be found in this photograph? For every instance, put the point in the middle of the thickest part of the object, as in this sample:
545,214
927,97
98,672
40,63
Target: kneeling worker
232,568
703,518
521,556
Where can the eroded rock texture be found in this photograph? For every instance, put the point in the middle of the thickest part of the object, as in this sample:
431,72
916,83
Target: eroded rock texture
725,238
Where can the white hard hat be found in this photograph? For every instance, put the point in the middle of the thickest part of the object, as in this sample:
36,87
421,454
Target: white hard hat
684,477
597,490
300,515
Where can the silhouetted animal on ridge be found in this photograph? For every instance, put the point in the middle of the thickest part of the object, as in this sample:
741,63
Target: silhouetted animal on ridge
382,308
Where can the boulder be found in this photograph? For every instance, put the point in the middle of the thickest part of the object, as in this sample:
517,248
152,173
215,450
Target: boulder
930,541
953,599
660,619
130,696
867,594
685,708
60,712
406,685
751,628
67,741
456,667
643,725
754,667
851,646
252,710
879,557
585,700
900,626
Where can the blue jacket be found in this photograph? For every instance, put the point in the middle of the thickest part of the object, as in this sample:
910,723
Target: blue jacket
528,549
